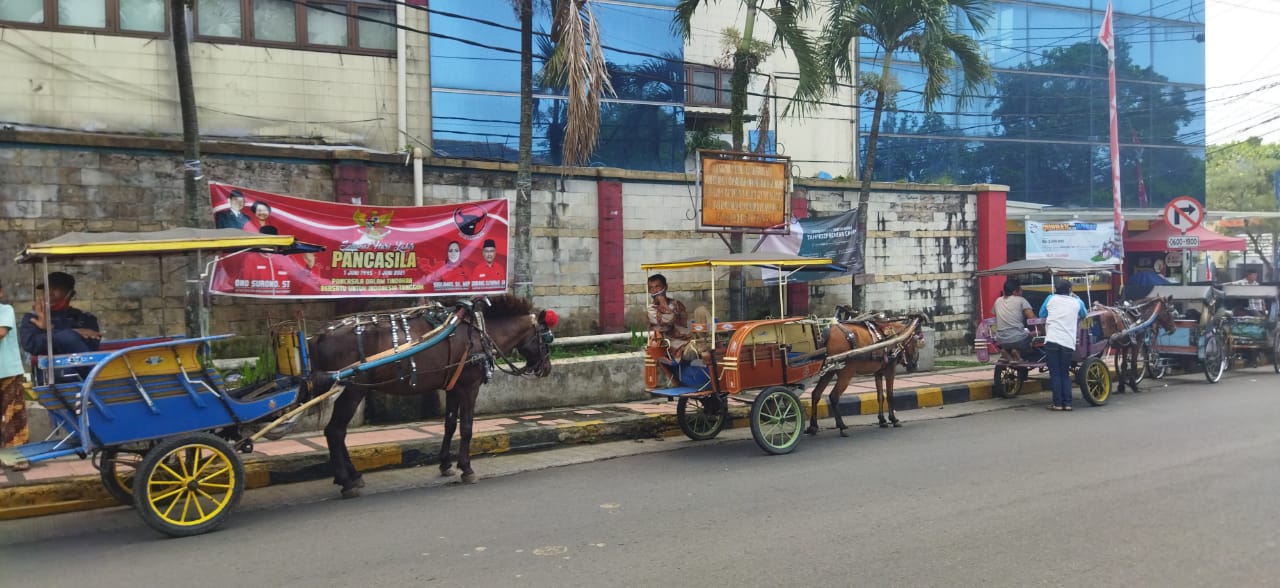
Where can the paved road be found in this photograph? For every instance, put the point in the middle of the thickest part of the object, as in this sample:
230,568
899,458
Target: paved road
1172,487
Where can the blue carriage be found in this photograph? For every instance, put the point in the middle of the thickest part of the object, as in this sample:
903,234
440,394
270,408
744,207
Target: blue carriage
154,415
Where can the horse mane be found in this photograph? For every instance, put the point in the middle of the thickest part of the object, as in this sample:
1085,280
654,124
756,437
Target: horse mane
507,305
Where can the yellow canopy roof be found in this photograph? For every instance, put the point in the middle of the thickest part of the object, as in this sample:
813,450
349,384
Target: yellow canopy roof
170,241
760,259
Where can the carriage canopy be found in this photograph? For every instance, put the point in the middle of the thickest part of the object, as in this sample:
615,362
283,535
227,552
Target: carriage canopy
169,241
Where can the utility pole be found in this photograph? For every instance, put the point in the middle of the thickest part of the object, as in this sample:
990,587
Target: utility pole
191,153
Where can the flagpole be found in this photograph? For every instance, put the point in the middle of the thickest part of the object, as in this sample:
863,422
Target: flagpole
1107,37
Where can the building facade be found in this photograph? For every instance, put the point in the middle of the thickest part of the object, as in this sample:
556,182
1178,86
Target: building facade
1042,125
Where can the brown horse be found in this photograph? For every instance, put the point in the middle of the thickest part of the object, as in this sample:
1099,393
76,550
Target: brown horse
1129,346
844,336
459,364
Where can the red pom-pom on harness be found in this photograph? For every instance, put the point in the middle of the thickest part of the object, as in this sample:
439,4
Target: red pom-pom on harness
550,318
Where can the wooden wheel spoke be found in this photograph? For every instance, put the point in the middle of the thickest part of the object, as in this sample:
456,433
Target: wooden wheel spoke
197,470
200,509
215,501
186,505
225,469
175,475
158,497
176,498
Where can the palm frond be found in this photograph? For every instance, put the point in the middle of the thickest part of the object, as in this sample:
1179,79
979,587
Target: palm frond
587,77
814,78
682,21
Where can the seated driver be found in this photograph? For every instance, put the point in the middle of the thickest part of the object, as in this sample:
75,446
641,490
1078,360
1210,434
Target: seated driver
1012,311
668,317
73,330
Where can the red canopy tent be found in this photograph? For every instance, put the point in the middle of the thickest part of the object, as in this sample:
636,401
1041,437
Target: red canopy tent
1156,239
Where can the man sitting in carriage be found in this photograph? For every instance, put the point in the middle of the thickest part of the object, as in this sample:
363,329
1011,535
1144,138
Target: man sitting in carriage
668,317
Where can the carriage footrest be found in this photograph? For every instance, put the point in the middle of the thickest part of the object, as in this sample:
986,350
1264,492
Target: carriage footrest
679,391
23,455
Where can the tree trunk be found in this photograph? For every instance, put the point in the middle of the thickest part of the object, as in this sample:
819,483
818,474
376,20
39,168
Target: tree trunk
523,247
191,154
868,167
742,64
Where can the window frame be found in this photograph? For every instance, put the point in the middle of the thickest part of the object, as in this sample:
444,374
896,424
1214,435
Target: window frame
301,42
722,86
112,28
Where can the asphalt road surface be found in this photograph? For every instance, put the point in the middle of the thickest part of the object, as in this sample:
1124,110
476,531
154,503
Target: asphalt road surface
1172,487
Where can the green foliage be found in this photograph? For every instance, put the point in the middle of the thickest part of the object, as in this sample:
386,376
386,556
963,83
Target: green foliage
1240,177
703,139
565,352
262,370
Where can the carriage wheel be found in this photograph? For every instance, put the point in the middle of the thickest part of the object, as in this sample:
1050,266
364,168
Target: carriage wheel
1008,381
705,420
777,419
188,485
1095,381
1157,367
117,470
1275,354
1141,361
1215,361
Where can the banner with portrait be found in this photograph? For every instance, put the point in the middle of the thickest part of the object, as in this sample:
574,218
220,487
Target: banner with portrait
1095,242
370,251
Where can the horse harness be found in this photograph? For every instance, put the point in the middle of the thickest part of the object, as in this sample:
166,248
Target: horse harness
877,333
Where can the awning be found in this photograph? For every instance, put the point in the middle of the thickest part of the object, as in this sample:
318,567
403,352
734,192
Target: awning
166,242
1156,239
780,261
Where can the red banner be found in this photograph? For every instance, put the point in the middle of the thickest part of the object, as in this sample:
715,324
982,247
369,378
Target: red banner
370,251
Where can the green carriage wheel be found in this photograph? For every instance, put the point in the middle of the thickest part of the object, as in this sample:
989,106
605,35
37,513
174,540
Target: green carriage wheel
117,469
1095,381
1215,361
188,485
702,418
777,420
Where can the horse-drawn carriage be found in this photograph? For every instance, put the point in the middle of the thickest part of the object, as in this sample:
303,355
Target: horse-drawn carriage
1214,327
163,425
765,362
1124,329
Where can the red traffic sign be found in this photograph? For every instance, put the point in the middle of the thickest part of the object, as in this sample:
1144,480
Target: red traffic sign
1184,213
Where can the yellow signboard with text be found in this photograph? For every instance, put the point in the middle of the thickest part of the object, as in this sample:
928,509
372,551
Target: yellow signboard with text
745,192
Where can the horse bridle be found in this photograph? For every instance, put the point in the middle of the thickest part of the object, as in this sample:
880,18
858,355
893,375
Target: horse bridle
501,360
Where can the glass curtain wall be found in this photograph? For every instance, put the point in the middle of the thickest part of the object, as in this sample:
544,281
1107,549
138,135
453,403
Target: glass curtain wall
475,93
1041,125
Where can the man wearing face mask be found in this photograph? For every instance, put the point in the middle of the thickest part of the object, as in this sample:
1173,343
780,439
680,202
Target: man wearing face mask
667,316
73,330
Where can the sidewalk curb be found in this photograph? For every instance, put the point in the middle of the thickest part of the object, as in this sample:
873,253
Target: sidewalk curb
86,492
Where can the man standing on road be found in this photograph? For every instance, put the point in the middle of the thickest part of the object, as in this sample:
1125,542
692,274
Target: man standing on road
1062,312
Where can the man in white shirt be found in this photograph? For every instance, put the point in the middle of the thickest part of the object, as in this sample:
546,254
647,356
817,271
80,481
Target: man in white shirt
1257,306
1062,312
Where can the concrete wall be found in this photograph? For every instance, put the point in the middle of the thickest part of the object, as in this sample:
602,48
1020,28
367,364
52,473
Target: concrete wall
920,248
121,84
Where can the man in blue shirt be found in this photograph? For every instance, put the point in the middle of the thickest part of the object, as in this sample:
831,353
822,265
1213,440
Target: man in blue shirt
73,330
1062,312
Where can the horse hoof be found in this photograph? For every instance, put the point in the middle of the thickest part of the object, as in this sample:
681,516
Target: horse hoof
352,492
359,483
469,478
447,472
884,425
843,433
896,424
811,431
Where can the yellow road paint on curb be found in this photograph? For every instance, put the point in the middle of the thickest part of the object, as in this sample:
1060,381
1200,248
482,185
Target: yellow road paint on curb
495,443
869,404
928,397
979,391
375,456
256,475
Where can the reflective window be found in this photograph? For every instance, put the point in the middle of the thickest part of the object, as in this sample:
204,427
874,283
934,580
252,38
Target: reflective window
1179,53
374,35
82,13
24,11
1139,7
1004,40
467,67
274,20
1136,35
218,18
632,136
1048,28
326,28
142,16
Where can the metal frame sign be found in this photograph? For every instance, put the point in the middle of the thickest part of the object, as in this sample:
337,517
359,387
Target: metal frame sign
744,192
1184,213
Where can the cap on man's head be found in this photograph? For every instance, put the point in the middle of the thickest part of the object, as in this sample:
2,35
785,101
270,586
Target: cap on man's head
60,280
490,243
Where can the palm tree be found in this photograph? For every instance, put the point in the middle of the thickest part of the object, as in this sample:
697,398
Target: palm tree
581,69
747,53
919,27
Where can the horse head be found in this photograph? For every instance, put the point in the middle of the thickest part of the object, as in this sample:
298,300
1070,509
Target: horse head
1164,318
512,324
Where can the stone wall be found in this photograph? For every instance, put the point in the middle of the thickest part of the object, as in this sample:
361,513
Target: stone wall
920,251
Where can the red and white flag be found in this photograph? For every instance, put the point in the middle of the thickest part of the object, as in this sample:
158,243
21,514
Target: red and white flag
1107,37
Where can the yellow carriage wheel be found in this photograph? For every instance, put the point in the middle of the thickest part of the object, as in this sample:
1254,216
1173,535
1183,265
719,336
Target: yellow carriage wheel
1095,381
188,485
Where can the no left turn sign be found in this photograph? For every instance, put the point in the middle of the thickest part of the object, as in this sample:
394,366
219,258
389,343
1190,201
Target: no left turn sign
1184,213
